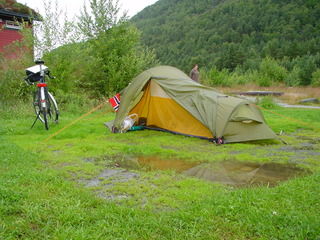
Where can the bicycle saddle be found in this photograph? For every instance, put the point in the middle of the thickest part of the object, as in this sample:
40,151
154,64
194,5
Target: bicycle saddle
39,61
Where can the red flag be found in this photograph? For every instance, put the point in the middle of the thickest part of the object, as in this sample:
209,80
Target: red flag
115,102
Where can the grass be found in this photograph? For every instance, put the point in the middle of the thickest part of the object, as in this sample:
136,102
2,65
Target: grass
44,192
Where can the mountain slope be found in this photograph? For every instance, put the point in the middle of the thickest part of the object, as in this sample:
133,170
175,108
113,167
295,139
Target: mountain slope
230,33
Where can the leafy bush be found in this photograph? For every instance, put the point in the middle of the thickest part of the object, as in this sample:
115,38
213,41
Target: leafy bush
237,79
271,72
118,57
214,77
267,102
307,65
112,54
293,77
316,78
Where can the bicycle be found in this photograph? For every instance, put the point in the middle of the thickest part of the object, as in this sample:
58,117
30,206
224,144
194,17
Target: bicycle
45,106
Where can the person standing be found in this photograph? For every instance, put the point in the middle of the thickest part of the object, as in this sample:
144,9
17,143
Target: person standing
194,74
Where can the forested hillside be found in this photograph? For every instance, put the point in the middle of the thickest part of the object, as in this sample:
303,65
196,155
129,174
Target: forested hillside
234,33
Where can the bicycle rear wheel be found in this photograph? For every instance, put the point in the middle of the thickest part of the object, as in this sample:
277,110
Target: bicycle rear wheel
41,112
44,113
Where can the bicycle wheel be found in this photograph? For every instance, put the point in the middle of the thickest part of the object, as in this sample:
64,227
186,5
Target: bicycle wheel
37,106
44,113
41,112
53,109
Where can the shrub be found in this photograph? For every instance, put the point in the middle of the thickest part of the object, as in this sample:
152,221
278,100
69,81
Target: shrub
214,77
267,102
293,77
237,79
271,70
316,78
113,48
307,66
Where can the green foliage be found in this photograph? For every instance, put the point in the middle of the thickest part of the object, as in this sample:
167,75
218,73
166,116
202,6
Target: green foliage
118,57
230,57
316,78
267,103
112,55
68,64
231,34
265,73
307,66
270,72
214,77
293,77
102,15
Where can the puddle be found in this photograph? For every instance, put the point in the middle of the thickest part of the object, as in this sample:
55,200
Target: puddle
233,173
155,163
246,173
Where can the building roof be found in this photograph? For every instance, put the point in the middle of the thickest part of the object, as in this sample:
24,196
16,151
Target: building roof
11,8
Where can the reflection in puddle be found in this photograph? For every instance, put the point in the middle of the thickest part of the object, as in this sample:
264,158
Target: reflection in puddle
228,172
246,174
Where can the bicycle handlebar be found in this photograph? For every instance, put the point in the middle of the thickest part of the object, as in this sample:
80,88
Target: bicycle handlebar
49,75
27,79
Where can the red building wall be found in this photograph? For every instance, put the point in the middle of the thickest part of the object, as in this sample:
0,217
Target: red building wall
8,36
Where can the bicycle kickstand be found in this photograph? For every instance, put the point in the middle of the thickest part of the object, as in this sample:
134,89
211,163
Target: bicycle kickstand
35,120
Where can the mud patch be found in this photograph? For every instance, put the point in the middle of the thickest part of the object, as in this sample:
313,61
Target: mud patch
57,152
112,176
106,180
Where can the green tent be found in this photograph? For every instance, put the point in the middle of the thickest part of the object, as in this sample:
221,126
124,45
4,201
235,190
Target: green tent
165,98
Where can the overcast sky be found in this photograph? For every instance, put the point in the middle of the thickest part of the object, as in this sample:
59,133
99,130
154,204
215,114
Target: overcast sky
72,6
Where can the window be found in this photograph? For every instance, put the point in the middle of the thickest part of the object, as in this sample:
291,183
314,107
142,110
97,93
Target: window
12,25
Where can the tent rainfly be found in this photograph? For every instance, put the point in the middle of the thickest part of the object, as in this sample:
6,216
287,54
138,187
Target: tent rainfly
165,98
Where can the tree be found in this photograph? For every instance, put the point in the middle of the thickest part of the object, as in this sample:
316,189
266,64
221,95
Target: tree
102,15
54,29
113,47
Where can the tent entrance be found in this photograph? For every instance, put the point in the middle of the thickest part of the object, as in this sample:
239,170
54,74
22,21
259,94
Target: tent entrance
160,111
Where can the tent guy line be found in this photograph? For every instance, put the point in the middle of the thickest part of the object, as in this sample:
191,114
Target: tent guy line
75,121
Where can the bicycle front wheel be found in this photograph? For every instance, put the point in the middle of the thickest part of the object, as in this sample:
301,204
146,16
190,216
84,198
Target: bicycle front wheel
53,110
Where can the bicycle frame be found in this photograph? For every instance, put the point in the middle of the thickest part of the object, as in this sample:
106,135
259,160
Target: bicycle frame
43,89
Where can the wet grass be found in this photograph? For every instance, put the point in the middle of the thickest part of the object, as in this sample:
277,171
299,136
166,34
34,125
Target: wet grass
44,192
